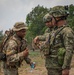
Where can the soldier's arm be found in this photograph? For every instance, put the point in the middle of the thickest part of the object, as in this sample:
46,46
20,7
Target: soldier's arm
68,37
12,52
43,37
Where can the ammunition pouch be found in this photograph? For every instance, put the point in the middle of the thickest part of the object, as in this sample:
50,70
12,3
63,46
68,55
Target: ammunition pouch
2,56
61,53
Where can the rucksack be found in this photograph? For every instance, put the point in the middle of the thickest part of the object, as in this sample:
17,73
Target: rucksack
6,37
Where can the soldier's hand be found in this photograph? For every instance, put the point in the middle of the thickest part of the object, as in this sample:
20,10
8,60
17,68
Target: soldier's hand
65,72
25,52
36,40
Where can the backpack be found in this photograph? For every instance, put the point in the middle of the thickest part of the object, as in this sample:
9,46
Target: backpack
6,37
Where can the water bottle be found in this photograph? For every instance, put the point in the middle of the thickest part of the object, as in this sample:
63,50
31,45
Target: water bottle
32,66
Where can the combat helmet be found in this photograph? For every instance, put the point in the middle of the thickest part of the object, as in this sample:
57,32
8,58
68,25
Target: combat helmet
19,26
58,11
47,18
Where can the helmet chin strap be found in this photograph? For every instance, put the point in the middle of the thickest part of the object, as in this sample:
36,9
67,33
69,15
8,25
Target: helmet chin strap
54,19
60,18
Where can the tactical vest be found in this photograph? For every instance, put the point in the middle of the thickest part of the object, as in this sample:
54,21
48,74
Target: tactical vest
57,48
56,39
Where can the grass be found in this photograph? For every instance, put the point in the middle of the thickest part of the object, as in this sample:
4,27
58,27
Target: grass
35,56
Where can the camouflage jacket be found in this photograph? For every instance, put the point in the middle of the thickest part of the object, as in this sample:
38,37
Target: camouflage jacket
62,37
13,50
45,35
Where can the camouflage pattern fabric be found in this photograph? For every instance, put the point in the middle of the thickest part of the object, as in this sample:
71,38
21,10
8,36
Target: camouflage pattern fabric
11,71
47,18
66,42
13,50
44,46
64,39
54,71
19,25
47,30
45,35
58,11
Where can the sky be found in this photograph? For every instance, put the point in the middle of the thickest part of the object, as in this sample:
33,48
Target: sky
12,11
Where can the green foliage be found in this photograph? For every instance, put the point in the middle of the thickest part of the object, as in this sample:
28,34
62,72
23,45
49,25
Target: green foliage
71,16
1,36
35,21
34,53
29,36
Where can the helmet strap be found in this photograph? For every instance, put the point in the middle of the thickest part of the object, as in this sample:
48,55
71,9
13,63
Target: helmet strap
55,19
61,18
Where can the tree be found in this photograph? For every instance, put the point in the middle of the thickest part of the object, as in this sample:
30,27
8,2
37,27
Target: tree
1,36
35,21
71,16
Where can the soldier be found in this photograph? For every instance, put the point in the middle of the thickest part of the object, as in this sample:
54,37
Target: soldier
16,50
41,40
47,19
61,43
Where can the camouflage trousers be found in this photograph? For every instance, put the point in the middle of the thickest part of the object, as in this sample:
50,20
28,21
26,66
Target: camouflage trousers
1,66
10,71
54,71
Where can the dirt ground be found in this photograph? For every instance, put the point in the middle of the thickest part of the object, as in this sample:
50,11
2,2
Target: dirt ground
40,69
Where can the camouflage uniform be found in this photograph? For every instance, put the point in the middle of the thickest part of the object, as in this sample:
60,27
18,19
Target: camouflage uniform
64,39
13,50
45,35
61,40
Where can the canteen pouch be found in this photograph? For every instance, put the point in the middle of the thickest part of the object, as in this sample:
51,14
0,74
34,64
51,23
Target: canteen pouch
61,53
